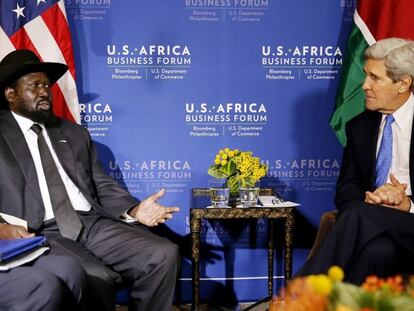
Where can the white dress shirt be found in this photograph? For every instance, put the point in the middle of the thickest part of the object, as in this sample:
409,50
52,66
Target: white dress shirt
401,135
77,199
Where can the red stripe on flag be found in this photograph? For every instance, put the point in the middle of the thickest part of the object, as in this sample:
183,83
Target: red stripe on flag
21,40
390,18
60,110
59,28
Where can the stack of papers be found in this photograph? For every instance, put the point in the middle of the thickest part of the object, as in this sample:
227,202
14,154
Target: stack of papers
283,204
272,201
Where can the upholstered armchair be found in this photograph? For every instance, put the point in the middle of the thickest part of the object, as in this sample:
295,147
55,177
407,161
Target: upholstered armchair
328,219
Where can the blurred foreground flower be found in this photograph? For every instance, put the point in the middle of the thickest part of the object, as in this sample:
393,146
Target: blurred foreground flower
329,293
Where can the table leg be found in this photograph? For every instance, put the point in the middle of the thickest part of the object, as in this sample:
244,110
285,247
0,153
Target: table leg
195,224
270,252
289,224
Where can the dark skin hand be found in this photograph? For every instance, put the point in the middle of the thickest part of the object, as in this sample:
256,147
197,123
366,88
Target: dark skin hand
150,213
8,232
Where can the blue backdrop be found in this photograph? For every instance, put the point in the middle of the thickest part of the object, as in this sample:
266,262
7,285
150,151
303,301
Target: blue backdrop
165,84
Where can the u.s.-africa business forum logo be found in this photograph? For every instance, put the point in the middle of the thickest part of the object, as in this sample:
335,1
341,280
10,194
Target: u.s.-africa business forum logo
88,10
96,117
303,62
233,11
150,175
229,118
148,62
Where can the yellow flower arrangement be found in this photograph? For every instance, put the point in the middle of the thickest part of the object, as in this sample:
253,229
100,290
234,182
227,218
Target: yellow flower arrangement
237,166
329,293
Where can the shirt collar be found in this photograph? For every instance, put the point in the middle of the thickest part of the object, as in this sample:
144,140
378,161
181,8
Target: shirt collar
24,123
404,115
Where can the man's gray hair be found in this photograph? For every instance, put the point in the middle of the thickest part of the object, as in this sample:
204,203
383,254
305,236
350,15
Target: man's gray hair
398,57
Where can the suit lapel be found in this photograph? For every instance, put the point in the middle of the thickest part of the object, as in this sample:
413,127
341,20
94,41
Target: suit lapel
17,143
373,129
62,145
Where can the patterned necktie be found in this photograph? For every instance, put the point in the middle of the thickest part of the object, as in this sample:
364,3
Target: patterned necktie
384,153
66,217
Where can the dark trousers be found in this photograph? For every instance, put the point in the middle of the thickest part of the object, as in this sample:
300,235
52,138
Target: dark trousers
367,239
50,283
109,249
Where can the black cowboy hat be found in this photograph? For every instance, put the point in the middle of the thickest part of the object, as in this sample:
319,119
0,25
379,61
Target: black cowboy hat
22,62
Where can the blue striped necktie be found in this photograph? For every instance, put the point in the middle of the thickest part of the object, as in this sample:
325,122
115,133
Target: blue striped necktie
384,157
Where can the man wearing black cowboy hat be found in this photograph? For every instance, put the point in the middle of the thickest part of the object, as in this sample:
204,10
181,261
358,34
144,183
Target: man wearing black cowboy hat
50,176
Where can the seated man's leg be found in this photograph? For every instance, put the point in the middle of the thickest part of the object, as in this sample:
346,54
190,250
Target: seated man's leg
70,273
339,245
358,225
147,261
29,289
378,257
102,282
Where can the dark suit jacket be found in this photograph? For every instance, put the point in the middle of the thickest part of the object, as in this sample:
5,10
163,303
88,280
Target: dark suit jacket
357,173
19,189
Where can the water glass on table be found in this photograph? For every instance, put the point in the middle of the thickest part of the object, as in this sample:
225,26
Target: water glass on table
249,194
219,193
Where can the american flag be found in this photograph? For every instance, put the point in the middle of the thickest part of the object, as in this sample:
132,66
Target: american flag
42,26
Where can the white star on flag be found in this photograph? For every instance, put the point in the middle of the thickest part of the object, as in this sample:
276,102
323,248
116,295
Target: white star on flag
39,1
19,11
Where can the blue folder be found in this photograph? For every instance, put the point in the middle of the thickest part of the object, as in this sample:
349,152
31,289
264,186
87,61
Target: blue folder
12,248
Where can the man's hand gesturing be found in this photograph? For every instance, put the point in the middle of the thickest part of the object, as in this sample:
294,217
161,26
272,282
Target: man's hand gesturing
150,213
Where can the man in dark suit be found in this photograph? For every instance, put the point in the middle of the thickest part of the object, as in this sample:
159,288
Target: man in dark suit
50,283
51,177
374,233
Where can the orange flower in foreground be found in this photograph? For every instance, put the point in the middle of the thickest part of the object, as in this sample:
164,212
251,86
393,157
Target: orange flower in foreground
328,292
299,296
371,283
393,284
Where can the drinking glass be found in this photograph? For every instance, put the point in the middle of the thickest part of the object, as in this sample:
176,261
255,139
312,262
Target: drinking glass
219,192
248,194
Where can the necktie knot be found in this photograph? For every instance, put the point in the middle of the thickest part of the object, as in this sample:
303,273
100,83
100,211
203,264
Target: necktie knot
389,119
36,128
